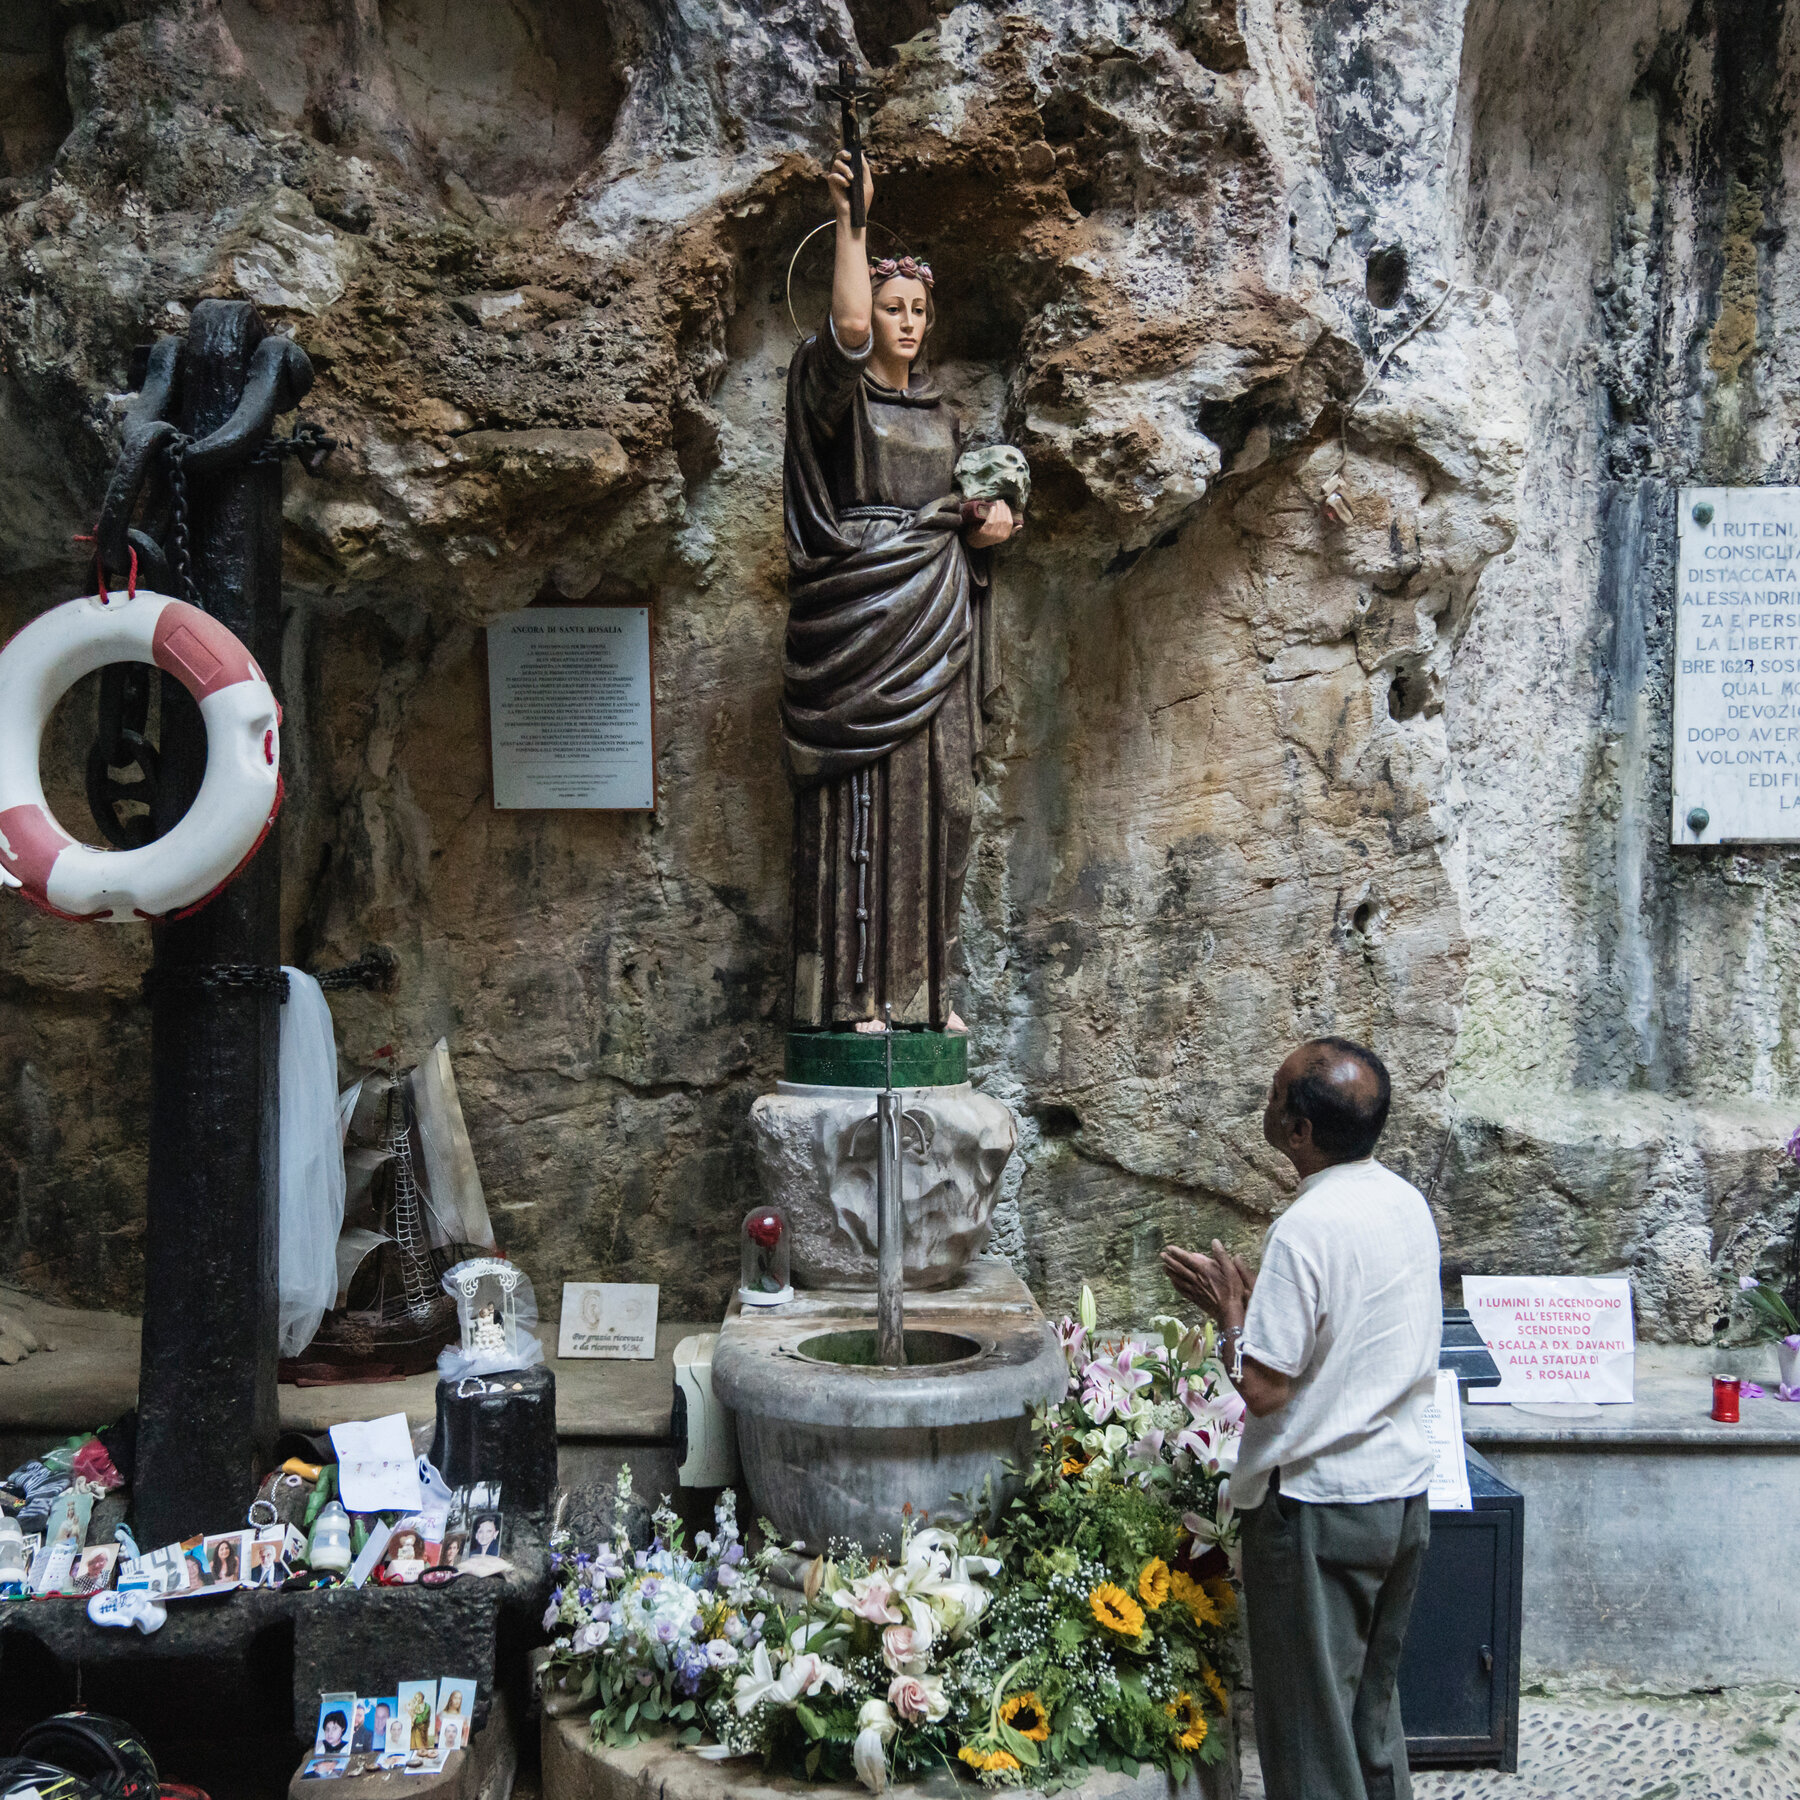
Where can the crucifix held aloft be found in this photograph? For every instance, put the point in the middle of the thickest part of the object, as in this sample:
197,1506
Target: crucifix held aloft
848,96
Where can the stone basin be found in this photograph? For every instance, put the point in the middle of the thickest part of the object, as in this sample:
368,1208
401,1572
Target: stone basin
833,1446
574,1768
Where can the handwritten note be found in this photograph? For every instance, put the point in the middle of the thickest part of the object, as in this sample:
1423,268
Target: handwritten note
377,1471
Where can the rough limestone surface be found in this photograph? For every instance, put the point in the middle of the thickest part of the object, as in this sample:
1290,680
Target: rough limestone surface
1359,348
816,1154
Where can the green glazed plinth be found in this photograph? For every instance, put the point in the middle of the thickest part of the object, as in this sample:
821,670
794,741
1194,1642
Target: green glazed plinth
859,1059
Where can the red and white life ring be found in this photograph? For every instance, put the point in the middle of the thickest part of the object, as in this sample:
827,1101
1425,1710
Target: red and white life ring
240,792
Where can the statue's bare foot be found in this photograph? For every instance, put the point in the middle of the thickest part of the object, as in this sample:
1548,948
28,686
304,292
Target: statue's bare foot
954,1023
870,1025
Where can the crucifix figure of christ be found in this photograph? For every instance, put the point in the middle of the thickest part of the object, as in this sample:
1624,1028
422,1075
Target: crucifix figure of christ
889,668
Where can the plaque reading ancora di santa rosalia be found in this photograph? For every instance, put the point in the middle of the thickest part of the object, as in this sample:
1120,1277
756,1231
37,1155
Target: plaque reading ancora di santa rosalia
1736,764
569,703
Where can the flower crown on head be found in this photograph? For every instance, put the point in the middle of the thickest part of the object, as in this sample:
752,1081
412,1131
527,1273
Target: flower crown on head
908,268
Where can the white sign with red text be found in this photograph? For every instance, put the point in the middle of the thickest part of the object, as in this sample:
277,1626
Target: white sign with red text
1554,1337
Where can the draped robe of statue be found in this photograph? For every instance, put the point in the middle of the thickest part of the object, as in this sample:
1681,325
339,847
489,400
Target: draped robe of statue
888,671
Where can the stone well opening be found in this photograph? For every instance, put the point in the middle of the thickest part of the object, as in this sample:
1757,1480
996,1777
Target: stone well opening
924,1349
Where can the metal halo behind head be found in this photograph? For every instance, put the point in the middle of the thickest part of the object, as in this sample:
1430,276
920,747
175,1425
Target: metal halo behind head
793,263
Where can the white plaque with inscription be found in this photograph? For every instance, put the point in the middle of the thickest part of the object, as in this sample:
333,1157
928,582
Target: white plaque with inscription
569,708
1737,667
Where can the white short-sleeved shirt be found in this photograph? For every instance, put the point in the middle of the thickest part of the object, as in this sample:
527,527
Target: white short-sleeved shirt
1348,1306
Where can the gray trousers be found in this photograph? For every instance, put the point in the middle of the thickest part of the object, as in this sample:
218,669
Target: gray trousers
1328,1591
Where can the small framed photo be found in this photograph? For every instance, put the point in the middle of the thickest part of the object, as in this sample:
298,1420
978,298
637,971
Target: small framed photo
455,1544
228,1553
414,1718
93,1573
369,1733
324,1768
455,1712
333,1738
270,1558
199,1564
487,1534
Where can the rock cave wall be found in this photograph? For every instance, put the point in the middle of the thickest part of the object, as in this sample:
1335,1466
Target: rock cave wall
1358,347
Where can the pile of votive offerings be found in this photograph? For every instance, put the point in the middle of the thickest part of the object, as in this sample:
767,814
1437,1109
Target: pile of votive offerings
379,1513
411,1730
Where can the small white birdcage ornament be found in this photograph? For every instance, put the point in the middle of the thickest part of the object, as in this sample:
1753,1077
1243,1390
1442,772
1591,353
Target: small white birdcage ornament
497,1312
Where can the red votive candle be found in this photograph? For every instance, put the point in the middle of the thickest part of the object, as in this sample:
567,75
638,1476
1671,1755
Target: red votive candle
1725,1399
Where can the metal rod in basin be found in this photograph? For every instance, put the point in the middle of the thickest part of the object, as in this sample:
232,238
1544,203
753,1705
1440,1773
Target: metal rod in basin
890,1222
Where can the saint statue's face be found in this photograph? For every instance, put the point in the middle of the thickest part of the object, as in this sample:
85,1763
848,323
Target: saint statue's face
900,317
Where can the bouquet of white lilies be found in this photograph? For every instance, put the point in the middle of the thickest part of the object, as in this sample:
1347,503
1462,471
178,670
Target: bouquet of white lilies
857,1686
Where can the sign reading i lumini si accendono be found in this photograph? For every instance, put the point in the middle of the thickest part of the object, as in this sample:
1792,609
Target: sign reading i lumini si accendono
1736,763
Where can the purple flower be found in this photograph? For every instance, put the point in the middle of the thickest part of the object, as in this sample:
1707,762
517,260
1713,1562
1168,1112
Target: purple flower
1747,1282
665,1632
585,1596
734,1555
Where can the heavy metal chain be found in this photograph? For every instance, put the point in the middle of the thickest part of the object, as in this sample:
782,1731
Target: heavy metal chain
181,555
211,977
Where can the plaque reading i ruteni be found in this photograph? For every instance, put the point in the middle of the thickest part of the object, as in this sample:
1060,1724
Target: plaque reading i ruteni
1736,763
569,700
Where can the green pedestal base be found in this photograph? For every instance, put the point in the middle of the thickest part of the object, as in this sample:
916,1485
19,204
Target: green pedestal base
859,1059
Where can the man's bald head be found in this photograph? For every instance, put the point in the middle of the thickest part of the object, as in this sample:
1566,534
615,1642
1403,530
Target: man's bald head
1340,1089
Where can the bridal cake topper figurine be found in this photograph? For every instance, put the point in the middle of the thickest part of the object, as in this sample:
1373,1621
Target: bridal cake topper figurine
890,668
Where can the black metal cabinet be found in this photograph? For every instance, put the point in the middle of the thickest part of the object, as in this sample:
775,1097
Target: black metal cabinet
1459,1673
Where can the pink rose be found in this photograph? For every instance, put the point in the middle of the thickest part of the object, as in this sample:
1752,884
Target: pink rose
903,1652
872,1598
918,1698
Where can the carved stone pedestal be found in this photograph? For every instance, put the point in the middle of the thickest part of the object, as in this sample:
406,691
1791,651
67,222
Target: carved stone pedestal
815,1155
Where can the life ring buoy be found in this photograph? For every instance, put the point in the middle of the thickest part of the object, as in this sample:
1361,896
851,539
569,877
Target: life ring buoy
240,792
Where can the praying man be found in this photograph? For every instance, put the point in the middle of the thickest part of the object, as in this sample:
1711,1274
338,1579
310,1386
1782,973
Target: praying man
1333,1344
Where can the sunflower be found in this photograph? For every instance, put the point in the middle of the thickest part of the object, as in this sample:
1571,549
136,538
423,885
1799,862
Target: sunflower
1116,1610
1210,1676
1153,1583
1223,1595
1190,1721
1186,1591
988,1761
1034,1722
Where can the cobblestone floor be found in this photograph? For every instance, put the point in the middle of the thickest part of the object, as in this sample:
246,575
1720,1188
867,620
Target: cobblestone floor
1743,1744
